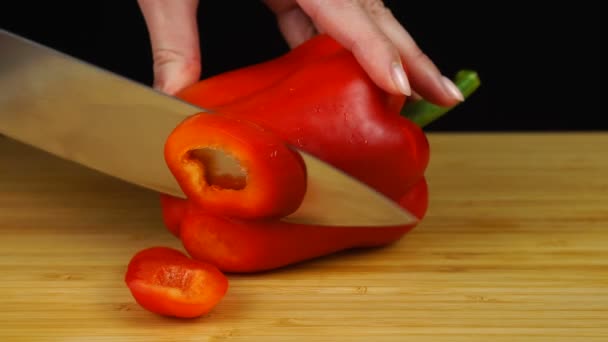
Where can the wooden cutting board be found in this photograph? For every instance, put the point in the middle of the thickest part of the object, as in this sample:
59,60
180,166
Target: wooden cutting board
514,248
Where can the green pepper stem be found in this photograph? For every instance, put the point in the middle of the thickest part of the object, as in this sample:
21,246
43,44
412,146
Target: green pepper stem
423,112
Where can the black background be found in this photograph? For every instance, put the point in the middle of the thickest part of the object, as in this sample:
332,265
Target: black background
537,64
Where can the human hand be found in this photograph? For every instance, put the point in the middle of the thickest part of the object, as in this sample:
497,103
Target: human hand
366,27
173,29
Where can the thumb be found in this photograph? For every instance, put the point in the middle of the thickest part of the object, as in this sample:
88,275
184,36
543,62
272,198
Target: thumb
173,29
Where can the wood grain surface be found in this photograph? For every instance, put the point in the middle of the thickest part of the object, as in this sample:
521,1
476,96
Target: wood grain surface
514,248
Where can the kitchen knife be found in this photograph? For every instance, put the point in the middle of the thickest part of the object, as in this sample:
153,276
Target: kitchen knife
91,116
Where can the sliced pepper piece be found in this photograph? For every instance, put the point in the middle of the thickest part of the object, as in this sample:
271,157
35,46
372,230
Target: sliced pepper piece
264,178
165,281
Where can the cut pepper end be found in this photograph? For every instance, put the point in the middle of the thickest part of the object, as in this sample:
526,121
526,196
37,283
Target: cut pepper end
229,167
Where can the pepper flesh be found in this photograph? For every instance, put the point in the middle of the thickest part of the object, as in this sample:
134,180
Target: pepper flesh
318,98
165,281
263,192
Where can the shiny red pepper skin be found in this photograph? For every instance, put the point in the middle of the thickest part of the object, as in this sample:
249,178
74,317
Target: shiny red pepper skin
235,245
318,98
173,212
235,85
326,105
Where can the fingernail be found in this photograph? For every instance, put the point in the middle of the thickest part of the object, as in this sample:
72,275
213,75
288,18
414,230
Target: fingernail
452,88
400,79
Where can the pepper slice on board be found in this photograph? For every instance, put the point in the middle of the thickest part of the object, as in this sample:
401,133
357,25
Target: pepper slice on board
167,282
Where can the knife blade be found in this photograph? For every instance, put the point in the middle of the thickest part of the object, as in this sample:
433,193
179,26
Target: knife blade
106,122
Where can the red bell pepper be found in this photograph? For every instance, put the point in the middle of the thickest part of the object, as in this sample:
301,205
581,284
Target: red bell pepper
318,98
315,97
167,282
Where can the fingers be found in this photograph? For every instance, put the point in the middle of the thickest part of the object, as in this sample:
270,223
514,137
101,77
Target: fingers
382,46
173,30
349,23
425,77
294,24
